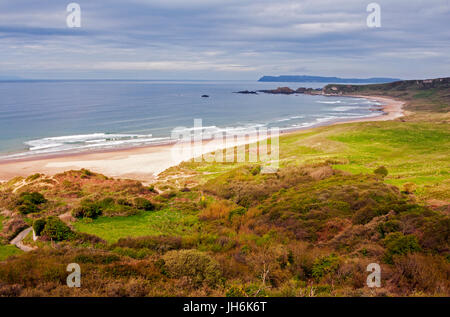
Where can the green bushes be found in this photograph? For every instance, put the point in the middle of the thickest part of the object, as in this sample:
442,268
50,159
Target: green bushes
389,226
256,170
57,230
425,273
143,204
38,226
325,265
88,209
237,212
236,291
197,266
398,244
33,198
29,202
157,243
110,207
381,171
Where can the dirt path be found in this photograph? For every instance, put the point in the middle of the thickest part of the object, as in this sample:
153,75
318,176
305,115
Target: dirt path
17,241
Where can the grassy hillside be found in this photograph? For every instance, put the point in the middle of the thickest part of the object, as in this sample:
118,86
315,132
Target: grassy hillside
344,196
421,95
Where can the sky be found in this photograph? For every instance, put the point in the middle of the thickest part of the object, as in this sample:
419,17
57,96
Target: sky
224,39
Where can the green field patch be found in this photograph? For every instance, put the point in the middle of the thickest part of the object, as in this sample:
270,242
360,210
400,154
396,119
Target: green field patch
8,250
162,222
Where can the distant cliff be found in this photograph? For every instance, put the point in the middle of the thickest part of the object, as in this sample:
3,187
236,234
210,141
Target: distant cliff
421,94
319,79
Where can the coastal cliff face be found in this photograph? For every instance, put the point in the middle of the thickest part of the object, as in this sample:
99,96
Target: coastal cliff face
321,79
427,94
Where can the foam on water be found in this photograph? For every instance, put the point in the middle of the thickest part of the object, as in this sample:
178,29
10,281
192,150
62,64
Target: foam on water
61,117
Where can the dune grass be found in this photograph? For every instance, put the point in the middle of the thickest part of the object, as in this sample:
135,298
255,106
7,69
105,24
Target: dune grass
413,152
162,222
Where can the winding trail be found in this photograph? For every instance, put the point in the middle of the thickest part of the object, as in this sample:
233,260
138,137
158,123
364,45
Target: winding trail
17,241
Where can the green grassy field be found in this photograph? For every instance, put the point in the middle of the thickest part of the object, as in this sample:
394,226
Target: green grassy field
163,222
413,152
8,250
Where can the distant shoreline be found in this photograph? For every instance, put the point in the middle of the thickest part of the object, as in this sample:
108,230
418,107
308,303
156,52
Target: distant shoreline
146,162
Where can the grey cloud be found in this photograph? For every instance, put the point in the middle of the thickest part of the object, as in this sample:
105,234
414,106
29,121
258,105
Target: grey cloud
186,37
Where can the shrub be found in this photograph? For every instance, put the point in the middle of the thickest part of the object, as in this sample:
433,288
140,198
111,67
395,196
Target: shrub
57,230
237,212
38,226
255,170
365,215
216,210
381,171
85,173
197,266
33,177
388,227
143,204
409,188
157,243
324,265
34,198
436,235
427,273
88,209
28,208
236,291
123,202
28,202
398,244
106,203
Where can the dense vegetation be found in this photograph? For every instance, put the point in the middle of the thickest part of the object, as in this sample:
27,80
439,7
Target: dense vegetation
421,95
344,196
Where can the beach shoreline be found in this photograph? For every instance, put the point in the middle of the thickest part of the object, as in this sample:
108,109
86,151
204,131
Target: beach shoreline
144,163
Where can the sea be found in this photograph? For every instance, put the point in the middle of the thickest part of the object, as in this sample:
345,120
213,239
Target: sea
46,117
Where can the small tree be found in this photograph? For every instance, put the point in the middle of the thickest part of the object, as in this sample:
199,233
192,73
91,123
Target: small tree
381,171
57,230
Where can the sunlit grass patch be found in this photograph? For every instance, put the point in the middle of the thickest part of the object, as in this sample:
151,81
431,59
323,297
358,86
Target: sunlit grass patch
162,222
8,250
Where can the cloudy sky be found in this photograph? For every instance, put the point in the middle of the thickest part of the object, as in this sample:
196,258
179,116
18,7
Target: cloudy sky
224,39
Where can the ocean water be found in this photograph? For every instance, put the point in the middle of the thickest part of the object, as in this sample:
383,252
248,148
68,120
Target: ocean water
48,117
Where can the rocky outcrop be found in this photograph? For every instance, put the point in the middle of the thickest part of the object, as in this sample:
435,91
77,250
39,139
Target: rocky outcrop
246,92
289,91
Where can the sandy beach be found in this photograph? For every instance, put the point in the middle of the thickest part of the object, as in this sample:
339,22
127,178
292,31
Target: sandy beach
145,163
